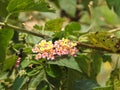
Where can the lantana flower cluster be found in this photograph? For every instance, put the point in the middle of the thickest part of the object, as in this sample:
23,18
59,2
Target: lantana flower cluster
49,50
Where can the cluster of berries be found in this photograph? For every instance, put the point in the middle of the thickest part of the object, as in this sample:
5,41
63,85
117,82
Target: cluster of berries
49,50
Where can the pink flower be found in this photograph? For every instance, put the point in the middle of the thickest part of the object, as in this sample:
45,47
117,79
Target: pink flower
49,50
51,56
65,51
73,51
52,51
44,55
35,50
38,56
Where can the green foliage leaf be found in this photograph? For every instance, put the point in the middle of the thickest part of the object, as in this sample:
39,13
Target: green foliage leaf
103,88
9,62
109,16
115,4
105,40
72,31
42,86
73,28
73,76
84,84
84,64
4,75
95,64
5,36
3,5
25,63
19,82
28,5
69,6
38,27
67,62
1,86
54,25
53,71
107,57
32,39
34,82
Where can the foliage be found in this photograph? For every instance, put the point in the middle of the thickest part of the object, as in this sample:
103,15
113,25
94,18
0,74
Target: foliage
59,45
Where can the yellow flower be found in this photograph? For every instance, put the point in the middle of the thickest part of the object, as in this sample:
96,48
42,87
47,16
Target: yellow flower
73,44
42,43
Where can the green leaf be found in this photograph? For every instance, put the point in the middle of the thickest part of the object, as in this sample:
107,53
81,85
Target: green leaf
25,63
53,71
84,84
28,5
4,75
19,82
32,39
84,63
72,76
38,27
34,82
69,6
115,4
67,62
9,62
42,86
109,16
95,64
104,39
107,58
103,88
3,5
72,28
54,25
2,86
5,36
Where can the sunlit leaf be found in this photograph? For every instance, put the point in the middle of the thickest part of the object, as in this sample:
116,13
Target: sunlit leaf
28,5
32,39
73,28
25,63
67,62
54,25
105,40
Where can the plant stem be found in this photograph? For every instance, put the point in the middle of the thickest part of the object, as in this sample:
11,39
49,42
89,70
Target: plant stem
46,36
7,17
115,30
24,30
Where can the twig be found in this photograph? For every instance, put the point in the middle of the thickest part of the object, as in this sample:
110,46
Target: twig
46,36
24,30
115,30
7,17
